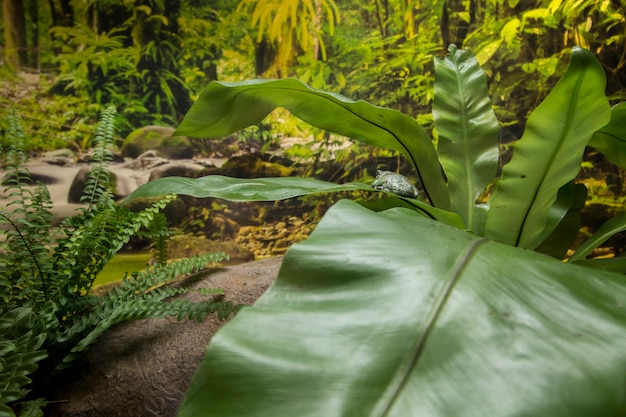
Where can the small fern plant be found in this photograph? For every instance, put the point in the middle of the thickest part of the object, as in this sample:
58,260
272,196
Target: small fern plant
47,314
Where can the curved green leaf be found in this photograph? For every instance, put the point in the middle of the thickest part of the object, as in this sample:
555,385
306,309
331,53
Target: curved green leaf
611,139
224,108
468,131
608,229
391,314
549,153
563,221
272,189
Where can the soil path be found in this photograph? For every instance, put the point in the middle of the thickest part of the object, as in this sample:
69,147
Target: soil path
143,368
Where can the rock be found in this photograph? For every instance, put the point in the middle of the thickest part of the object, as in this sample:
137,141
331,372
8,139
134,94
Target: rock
148,160
89,157
157,138
59,153
60,157
178,169
143,368
253,166
77,188
76,191
60,161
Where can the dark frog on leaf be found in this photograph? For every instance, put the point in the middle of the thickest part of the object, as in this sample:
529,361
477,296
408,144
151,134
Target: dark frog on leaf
394,183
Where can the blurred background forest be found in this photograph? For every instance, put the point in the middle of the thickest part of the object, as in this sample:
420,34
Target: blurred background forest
64,60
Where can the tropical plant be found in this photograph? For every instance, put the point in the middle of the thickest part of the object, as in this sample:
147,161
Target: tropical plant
293,26
407,308
47,315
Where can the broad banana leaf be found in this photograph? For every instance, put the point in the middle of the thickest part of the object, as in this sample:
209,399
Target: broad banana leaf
272,189
468,132
549,153
224,108
611,139
393,314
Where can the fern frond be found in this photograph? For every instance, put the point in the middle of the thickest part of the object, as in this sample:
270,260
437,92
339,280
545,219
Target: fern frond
159,234
21,337
16,177
99,180
144,295
161,274
30,219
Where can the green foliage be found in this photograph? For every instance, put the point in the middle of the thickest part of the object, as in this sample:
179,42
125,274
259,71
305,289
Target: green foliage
524,210
549,154
47,316
370,124
468,139
141,78
454,308
292,25
392,314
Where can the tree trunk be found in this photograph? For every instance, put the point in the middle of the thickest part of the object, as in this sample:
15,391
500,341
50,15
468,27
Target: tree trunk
317,29
62,13
15,50
33,15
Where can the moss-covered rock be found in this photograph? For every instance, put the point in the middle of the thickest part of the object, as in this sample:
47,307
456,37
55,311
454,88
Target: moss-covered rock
158,138
253,166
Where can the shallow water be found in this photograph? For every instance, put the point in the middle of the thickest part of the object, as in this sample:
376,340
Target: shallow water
120,264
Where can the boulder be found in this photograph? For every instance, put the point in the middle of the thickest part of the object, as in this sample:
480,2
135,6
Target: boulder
77,187
143,368
157,138
147,160
254,166
178,169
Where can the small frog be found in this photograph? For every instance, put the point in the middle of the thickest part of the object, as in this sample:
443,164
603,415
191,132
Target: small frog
394,183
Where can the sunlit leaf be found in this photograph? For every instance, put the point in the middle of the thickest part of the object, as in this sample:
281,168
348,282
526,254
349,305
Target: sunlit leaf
549,153
468,131
224,108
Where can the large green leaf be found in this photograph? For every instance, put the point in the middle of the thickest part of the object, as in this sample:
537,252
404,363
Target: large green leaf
223,108
468,132
611,139
549,153
392,314
272,189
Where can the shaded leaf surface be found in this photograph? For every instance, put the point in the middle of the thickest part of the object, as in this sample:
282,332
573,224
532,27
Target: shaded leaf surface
224,108
563,220
611,139
391,314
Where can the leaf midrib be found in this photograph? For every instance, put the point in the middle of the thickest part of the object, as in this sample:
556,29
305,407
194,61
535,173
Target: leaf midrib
564,133
429,324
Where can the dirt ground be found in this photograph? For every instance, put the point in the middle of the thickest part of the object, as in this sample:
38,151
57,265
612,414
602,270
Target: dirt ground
143,368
